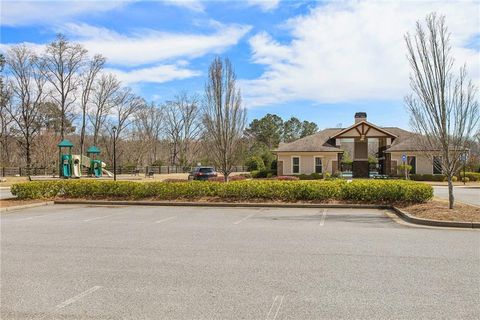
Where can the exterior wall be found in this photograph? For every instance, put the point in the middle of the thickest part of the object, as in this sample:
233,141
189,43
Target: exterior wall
329,161
423,164
307,161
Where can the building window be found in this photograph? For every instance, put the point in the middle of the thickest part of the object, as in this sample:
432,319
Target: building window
318,165
437,165
412,161
296,165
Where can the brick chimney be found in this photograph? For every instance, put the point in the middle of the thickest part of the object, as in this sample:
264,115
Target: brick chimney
360,116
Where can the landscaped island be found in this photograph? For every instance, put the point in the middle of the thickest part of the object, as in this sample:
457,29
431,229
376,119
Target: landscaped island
362,191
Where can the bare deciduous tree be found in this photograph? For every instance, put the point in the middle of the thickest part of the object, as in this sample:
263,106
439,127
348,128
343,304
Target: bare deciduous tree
87,80
124,109
63,61
126,104
224,117
103,100
149,122
26,84
183,123
443,106
5,118
45,150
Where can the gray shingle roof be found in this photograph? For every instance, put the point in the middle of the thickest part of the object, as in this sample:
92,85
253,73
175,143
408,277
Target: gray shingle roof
315,142
320,141
404,142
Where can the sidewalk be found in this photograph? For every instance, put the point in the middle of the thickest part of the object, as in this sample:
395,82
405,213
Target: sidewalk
457,184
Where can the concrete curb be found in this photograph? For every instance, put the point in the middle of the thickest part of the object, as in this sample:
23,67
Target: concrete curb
403,215
26,206
222,204
455,186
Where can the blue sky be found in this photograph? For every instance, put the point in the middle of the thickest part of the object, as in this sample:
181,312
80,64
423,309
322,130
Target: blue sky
320,61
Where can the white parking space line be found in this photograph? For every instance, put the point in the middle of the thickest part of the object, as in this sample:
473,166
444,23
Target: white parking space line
322,219
245,218
98,218
275,308
166,219
77,297
74,299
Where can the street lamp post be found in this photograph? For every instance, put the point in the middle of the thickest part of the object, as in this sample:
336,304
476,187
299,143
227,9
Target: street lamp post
114,129
464,158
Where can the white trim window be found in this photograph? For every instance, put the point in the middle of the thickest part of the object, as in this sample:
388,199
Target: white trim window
437,165
318,165
295,164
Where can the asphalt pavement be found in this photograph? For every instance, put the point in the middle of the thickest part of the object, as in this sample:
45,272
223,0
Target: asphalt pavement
91,262
470,195
5,193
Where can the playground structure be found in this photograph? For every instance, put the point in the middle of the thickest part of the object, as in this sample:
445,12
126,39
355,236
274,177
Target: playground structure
70,166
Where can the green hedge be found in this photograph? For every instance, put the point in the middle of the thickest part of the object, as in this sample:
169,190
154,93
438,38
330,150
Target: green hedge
369,191
472,176
258,174
427,177
386,191
312,176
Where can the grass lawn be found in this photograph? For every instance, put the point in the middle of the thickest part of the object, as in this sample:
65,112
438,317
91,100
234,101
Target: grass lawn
123,177
11,180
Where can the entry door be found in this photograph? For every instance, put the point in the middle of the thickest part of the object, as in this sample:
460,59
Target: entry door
412,161
280,168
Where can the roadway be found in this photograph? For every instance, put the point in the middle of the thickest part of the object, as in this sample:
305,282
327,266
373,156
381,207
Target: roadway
470,195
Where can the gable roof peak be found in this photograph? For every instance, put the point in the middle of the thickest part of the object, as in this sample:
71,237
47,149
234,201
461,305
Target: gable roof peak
364,122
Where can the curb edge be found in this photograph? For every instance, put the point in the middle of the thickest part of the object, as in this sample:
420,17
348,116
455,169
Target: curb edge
26,206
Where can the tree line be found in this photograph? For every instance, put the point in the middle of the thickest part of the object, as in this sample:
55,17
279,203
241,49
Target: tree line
66,92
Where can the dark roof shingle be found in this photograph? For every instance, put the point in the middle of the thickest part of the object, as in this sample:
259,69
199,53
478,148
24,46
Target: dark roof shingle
320,141
315,142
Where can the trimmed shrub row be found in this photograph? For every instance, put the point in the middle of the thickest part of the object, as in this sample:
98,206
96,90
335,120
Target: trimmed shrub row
427,177
311,176
472,176
370,191
387,191
258,174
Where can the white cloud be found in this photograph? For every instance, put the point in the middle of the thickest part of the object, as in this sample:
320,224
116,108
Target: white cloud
265,5
150,46
150,56
156,74
346,51
194,5
17,13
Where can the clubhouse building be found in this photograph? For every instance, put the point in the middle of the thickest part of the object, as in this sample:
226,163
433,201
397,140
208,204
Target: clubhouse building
323,152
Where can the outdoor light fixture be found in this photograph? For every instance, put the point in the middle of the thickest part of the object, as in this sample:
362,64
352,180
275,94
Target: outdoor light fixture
114,129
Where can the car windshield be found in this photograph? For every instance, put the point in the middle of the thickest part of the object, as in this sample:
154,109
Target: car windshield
205,170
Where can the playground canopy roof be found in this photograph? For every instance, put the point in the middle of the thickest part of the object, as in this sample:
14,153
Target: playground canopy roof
93,149
65,143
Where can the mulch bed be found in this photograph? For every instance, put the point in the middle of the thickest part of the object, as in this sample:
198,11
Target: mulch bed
438,210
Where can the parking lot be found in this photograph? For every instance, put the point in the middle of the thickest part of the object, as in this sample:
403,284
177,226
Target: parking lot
92,262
